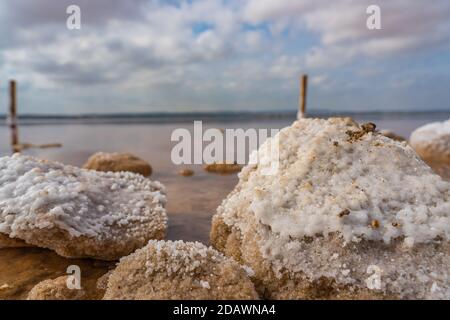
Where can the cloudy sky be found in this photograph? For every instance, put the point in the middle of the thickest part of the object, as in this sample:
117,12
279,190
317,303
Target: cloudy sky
144,55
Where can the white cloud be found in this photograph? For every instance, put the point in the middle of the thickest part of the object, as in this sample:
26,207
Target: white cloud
286,67
341,26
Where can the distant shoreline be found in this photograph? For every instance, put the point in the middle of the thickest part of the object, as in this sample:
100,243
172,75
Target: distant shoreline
177,117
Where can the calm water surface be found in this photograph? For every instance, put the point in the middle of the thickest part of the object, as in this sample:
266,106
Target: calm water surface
191,200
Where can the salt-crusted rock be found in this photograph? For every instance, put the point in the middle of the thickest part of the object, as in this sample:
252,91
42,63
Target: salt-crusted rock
102,161
178,270
349,214
432,141
77,212
55,289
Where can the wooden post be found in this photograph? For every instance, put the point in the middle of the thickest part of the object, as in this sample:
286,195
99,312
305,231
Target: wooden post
12,116
302,100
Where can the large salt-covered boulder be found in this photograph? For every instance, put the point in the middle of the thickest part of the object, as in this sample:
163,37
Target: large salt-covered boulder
432,141
178,270
349,214
77,212
116,162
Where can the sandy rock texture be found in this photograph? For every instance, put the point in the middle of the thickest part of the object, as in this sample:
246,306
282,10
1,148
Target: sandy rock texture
21,269
55,289
116,162
7,242
349,214
77,212
178,270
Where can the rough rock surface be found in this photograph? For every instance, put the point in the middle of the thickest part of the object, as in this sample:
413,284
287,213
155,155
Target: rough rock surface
349,214
77,212
432,141
55,289
7,242
178,270
116,162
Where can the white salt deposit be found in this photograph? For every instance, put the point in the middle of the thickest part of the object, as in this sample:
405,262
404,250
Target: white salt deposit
205,284
37,194
336,178
181,258
178,257
373,188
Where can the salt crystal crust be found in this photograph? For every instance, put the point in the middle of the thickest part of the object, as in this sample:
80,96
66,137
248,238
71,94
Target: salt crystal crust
178,270
341,189
78,212
432,141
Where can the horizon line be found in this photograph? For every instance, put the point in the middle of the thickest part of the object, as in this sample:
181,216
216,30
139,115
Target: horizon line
217,113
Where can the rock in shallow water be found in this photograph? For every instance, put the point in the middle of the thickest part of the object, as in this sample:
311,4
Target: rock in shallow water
77,212
116,162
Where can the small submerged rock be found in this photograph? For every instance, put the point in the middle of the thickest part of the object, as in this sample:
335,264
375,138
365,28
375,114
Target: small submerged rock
77,212
223,168
178,270
116,162
186,172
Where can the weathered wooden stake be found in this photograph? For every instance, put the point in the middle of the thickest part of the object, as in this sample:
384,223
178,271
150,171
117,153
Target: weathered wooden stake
12,116
302,100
